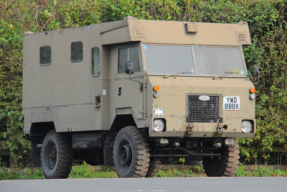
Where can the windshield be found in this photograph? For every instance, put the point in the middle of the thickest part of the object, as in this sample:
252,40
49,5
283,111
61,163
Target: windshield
194,60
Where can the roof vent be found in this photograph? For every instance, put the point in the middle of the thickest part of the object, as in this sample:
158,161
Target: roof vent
241,37
139,33
191,27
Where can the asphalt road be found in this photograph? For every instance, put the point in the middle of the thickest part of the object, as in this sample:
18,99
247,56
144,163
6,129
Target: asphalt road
206,184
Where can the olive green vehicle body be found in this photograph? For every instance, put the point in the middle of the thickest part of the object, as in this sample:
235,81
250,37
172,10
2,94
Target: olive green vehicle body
66,92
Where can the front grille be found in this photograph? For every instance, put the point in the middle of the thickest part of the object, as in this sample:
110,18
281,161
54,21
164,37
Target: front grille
204,111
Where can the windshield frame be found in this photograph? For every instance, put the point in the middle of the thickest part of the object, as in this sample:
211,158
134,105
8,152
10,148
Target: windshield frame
142,46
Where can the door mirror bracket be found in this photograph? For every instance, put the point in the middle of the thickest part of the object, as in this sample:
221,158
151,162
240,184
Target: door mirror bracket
256,73
129,69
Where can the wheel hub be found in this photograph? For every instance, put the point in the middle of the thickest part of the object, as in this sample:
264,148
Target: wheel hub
125,155
51,156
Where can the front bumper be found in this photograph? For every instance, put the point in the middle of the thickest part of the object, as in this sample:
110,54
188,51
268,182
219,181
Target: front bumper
177,127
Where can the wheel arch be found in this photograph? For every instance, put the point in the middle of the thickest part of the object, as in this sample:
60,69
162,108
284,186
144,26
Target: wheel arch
40,129
121,121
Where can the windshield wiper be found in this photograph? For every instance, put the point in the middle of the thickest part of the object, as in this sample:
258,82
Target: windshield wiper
175,74
226,73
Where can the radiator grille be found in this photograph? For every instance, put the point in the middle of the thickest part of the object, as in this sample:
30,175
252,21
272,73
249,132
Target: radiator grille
204,111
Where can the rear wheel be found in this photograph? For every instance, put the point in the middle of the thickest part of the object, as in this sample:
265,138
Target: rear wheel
131,153
56,155
226,165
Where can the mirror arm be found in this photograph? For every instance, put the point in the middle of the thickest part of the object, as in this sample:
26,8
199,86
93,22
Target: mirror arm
258,80
141,84
256,73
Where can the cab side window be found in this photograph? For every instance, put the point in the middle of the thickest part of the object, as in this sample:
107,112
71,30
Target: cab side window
45,55
128,54
77,51
96,67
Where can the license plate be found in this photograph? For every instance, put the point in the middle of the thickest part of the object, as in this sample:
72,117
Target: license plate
231,103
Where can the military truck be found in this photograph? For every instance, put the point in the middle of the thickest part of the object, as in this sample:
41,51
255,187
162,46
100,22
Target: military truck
133,93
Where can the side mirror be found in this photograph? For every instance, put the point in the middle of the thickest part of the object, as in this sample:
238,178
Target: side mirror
129,67
256,71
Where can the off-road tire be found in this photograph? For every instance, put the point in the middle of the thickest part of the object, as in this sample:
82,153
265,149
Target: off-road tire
56,155
225,166
152,169
131,153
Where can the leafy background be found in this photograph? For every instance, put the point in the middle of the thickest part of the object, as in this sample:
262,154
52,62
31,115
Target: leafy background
267,24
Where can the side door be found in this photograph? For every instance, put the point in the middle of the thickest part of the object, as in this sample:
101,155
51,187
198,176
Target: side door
96,88
129,90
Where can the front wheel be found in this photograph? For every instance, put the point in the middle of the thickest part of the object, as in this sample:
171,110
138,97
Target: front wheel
224,166
131,153
152,169
56,155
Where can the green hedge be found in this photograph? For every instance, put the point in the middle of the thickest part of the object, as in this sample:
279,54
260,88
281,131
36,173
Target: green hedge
267,23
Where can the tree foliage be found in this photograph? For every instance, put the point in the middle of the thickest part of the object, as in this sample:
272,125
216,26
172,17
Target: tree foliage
267,24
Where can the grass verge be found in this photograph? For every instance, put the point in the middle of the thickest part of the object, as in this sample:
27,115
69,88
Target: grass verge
87,171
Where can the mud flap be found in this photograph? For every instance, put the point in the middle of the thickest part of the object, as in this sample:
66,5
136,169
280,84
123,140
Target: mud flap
108,155
36,155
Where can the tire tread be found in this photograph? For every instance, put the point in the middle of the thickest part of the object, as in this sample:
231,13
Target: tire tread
141,152
228,164
65,156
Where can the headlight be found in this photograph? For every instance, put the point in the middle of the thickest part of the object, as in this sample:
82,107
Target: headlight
246,126
158,125
252,96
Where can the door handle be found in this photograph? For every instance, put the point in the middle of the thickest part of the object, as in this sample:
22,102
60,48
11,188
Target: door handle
120,91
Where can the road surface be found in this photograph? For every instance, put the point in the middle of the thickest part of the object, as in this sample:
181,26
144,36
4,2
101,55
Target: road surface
204,184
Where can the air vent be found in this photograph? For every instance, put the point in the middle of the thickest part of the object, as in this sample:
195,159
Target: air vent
139,33
241,37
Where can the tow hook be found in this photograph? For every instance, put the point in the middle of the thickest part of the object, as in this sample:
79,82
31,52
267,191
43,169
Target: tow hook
189,129
219,129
